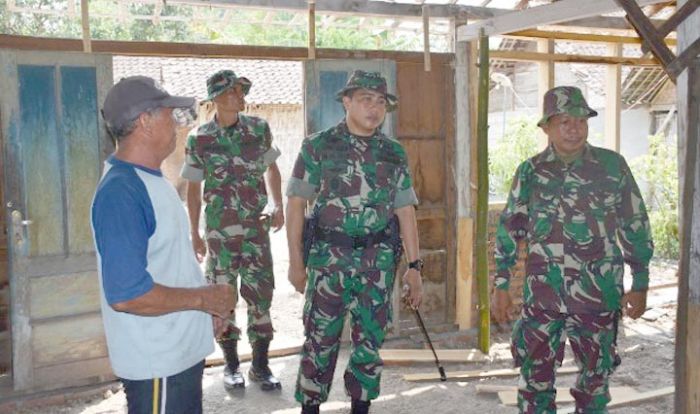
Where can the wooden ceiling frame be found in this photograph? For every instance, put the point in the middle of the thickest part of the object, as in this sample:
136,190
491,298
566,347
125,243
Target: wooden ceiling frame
653,37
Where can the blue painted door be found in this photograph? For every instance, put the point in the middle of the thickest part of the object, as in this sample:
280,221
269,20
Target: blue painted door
54,145
325,77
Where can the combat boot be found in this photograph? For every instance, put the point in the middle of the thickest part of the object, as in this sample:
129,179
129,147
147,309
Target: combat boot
360,407
260,369
233,379
310,409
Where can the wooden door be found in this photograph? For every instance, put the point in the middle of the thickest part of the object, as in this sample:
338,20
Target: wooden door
53,144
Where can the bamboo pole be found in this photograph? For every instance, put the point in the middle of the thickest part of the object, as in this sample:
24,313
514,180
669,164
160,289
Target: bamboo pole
482,162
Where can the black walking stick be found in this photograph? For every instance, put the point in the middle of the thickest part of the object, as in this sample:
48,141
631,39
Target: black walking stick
430,343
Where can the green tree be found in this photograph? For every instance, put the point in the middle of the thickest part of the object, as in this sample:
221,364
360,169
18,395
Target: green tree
519,143
658,170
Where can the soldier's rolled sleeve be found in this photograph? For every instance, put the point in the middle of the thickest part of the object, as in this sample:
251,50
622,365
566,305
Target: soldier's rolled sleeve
512,227
193,168
405,197
271,156
306,174
300,188
191,173
634,230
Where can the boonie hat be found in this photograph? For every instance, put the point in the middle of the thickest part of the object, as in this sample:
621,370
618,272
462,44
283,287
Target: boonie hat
565,100
373,81
137,94
223,80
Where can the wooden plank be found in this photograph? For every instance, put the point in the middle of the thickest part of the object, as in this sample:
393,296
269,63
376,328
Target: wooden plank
627,397
83,372
358,7
67,340
553,13
409,356
679,64
648,32
64,295
555,57
474,374
273,353
510,397
166,49
465,306
421,111
85,23
312,29
426,37
545,82
579,37
426,160
613,101
674,20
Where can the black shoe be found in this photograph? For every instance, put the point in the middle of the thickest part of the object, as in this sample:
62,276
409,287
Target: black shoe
233,379
360,407
309,409
259,370
264,377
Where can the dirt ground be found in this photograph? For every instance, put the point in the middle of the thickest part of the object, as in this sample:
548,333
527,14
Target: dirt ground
646,346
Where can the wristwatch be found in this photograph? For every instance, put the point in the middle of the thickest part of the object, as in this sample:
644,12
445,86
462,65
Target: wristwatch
416,264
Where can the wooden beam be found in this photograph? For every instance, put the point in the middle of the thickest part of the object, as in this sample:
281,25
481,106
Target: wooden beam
628,398
681,14
208,50
679,64
312,29
410,356
545,82
579,37
559,11
613,101
600,60
85,22
603,22
467,375
510,397
426,38
358,7
648,32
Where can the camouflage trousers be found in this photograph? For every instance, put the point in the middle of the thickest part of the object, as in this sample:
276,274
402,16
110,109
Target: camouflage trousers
248,256
338,284
538,342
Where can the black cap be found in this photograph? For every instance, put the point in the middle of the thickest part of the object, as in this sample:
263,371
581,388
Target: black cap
134,95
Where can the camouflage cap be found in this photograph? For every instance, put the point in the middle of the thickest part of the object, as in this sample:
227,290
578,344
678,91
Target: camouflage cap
373,81
565,100
223,80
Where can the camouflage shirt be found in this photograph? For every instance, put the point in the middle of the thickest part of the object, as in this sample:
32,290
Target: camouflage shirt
579,220
357,182
232,162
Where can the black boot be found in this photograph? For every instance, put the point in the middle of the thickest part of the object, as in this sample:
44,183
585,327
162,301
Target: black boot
233,379
309,409
360,407
260,370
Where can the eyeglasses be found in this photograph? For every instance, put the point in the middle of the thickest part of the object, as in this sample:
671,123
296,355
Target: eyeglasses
184,116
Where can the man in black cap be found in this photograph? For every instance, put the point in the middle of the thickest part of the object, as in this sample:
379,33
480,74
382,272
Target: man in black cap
156,306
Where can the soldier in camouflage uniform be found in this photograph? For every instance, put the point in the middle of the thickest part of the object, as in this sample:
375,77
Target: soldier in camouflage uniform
233,155
359,179
582,215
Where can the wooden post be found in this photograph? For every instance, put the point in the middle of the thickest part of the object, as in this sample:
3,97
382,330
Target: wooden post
687,360
85,20
426,38
482,205
464,314
545,82
312,29
613,104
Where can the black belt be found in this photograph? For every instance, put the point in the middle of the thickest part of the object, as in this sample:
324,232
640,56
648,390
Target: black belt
340,239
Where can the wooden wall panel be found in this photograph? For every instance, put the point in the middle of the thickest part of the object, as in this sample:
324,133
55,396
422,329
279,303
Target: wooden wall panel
425,128
64,295
426,159
71,339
